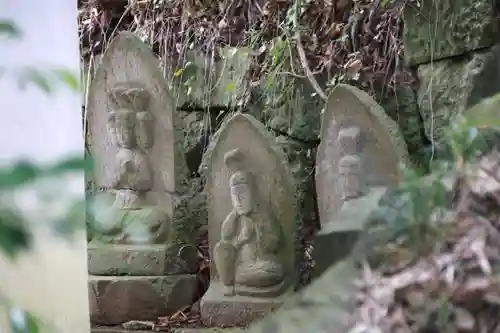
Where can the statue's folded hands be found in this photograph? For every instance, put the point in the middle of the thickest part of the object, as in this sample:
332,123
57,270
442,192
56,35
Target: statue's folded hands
248,180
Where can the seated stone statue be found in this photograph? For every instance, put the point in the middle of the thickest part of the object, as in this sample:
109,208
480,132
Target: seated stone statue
133,219
247,257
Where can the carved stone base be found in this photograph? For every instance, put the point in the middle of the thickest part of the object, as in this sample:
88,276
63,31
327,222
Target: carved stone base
219,310
336,238
140,260
117,299
262,292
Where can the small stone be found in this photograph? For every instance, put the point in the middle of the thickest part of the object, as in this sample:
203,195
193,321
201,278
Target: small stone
416,298
139,325
464,320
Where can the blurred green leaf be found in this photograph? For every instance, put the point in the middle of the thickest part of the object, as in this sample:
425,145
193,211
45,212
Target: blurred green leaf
67,77
229,87
31,75
384,3
189,71
74,219
466,141
69,165
23,322
179,72
406,212
19,174
484,114
14,236
10,29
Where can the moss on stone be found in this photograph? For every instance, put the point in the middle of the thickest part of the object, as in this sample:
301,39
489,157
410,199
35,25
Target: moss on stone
445,28
450,86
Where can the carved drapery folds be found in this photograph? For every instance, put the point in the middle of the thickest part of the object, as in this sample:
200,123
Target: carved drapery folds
131,129
251,223
247,256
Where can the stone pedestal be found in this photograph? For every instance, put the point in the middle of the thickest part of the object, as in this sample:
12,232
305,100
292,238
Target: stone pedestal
141,260
117,299
336,238
219,310
139,282
135,139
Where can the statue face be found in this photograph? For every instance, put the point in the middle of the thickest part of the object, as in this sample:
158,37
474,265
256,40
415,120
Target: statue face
125,135
241,198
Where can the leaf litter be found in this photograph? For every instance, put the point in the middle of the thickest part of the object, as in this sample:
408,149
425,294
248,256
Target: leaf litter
456,287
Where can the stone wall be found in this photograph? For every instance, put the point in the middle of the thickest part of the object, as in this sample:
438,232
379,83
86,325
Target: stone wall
452,46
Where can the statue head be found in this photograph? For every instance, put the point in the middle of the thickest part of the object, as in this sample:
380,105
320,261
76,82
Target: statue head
131,121
348,140
240,182
241,192
123,123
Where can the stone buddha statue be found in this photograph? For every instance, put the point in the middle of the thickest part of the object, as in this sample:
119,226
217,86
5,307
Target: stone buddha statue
350,177
134,218
247,257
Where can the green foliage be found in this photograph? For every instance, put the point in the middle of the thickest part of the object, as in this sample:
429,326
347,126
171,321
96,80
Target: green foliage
67,77
409,211
47,80
9,29
23,322
411,214
25,172
17,175
44,80
15,235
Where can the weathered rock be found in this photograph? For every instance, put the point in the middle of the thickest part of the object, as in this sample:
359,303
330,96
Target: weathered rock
142,202
135,140
292,109
128,61
402,106
204,82
207,330
251,212
450,86
325,306
220,310
336,239
232,85
107,329
359,156
355,125
137,260
121,299
441,29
